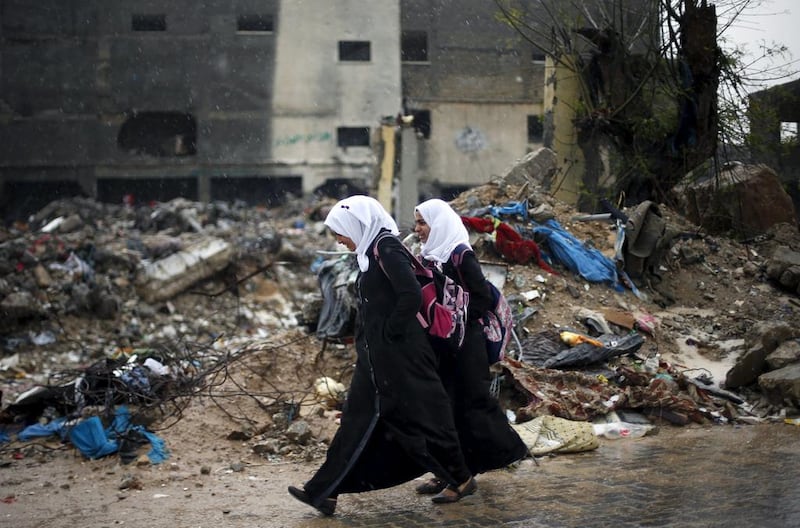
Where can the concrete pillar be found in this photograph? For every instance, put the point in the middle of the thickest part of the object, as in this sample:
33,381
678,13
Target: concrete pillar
407,188
387,167
563,93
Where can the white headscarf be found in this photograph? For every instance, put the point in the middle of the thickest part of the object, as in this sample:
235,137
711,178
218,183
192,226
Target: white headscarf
447,230
360,218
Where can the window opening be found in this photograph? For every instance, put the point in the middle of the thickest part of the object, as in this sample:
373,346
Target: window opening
422,123
352,137
354,50
254,23
535,129
149,22
414,46
162,134
788,132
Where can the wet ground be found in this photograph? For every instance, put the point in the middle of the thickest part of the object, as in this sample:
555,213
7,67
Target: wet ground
688,477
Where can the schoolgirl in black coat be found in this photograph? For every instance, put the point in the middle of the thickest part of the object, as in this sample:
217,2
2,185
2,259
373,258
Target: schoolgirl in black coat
487,439
397,422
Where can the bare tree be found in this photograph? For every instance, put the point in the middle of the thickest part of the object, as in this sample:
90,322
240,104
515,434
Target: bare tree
650,74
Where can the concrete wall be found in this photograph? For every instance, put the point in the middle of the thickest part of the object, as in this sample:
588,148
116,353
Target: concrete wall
263,104
480,83
474,143
315,92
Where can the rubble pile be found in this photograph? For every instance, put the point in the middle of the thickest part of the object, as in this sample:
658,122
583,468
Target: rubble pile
223,302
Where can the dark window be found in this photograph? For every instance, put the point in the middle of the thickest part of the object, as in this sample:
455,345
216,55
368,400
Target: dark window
144,190
414,46
354,50
256,190
258,23
352,136
422,123
538,55
162,134
535,129
149,22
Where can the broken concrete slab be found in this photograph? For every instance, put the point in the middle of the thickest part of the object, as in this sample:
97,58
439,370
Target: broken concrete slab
162,279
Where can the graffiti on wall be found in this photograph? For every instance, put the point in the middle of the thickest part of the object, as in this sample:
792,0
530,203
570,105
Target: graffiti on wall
294,139
470,139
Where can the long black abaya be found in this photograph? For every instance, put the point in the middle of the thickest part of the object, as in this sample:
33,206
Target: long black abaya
397,422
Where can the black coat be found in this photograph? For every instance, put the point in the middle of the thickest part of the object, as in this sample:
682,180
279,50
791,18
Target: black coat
397,422
487,439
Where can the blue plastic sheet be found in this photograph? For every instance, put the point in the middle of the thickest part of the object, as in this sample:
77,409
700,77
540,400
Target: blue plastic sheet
91,439
38,430
576,256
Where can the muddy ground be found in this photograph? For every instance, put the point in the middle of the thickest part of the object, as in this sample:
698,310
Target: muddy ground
226,435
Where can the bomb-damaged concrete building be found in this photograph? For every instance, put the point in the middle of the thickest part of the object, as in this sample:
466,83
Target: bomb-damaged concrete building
251,99
207,100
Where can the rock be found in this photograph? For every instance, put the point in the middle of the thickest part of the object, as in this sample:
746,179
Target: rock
787,353
764,338
748,199
71,223
536,167
43,279
784,267
299,432
20,305
270,446
782,385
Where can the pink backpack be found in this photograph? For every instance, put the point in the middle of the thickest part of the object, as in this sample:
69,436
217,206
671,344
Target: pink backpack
498,322
443,313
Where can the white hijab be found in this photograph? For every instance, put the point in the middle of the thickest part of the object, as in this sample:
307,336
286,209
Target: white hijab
447,230
360,218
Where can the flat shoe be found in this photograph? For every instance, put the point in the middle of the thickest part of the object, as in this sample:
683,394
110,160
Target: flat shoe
453,494
327,507
431,486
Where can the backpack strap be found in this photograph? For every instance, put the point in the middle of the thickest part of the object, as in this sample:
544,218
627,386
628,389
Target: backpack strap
419,268
457,256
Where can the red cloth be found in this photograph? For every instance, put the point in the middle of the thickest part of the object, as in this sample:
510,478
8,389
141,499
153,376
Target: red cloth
508,242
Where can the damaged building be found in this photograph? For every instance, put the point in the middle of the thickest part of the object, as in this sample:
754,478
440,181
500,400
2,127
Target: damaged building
249,100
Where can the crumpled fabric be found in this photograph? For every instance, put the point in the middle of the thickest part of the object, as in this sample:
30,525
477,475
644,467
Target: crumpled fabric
578,396
551,434
508,242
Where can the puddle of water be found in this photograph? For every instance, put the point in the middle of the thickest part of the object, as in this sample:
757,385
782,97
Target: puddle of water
690,358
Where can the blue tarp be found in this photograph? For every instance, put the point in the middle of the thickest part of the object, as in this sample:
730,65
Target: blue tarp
38,430
89,437
588,262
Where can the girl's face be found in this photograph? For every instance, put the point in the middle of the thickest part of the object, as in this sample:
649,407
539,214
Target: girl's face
345,241
421,227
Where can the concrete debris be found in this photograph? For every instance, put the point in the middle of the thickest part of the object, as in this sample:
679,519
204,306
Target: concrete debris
83,282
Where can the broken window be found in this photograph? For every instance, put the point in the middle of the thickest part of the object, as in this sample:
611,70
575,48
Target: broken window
256,190
422,123
414,46
352,137
163,134
535,129
788,132
149,22
144,190
254,23
354,50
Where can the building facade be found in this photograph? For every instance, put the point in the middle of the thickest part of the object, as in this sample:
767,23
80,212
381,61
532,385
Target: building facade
253,99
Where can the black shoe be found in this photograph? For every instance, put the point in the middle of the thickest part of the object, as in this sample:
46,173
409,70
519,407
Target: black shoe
455,494
327,507
431,487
